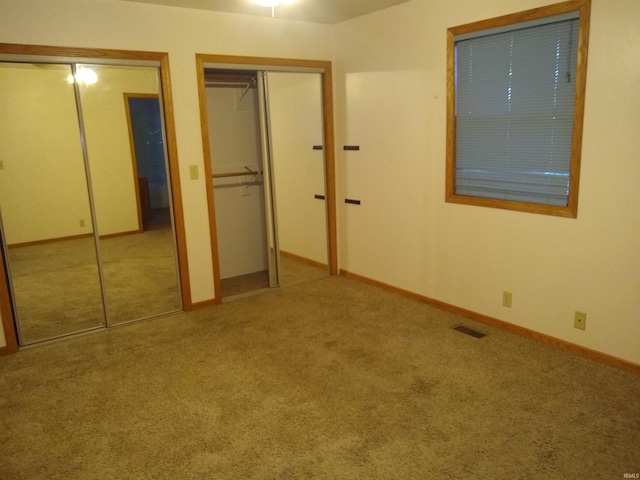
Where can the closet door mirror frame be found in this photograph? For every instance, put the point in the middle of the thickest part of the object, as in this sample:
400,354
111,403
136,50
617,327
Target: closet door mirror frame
38,53
271,64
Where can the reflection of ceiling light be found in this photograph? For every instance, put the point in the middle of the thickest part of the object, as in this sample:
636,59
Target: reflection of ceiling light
272,4
84,75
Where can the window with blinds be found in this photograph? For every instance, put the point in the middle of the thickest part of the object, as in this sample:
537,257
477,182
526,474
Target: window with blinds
515,101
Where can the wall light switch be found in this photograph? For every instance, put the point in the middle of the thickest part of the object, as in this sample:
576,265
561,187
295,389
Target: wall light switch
193,171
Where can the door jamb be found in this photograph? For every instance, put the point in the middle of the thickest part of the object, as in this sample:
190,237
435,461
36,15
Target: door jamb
10,336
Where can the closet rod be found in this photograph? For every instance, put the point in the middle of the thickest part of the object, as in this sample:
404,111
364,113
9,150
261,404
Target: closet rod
236,174
230,84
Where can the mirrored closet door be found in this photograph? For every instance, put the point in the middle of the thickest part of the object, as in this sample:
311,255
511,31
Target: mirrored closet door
293,104
85,200
127,159
47,219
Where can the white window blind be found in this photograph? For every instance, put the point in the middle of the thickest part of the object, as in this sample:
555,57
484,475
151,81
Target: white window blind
515,96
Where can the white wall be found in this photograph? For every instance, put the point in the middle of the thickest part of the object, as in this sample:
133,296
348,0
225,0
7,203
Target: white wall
234,136
181,33
391,99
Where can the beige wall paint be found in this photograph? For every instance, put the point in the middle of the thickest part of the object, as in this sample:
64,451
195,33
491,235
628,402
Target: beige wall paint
40,150
182,33
391,97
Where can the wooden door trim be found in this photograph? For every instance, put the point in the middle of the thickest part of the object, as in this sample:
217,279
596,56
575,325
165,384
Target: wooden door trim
8,325
329,148
208,178
174,173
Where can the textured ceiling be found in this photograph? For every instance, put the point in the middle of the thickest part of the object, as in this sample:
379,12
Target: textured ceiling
318,11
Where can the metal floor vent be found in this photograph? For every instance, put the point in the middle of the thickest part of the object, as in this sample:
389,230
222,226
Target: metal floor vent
469,331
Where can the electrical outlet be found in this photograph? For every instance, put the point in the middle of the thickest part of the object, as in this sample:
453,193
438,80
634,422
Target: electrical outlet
82,222
506,299
580,320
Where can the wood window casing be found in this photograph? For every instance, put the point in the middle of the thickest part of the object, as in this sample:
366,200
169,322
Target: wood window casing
583,7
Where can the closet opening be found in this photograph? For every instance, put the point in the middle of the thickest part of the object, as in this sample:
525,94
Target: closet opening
268,143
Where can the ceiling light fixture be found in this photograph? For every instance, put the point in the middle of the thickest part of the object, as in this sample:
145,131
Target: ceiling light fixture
272,4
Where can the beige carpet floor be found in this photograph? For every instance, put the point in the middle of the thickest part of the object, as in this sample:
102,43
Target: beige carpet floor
56,285
330,380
